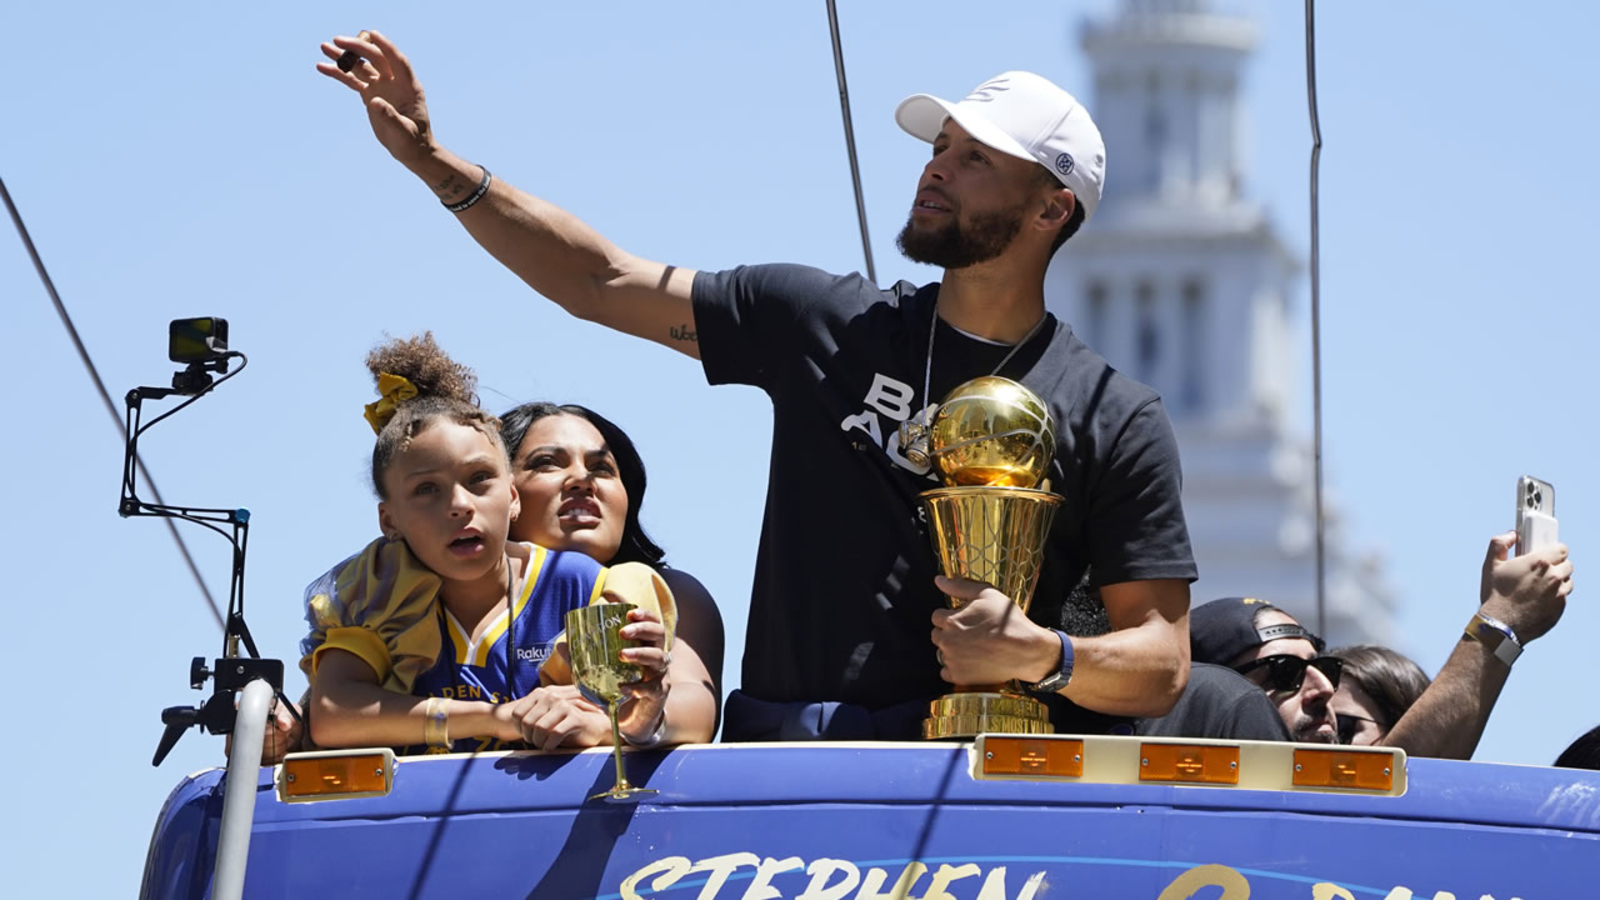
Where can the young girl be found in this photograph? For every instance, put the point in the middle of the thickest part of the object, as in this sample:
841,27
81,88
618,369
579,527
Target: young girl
432,637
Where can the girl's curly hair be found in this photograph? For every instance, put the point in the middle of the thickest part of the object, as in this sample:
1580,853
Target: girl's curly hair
445,389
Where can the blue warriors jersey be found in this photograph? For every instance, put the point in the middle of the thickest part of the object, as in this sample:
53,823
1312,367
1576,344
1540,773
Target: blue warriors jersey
557,581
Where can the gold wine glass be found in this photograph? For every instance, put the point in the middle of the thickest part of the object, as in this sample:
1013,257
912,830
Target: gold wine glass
595,641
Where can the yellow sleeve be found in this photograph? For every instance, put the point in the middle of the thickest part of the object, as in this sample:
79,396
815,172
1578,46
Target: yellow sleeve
635,583
381,605
363,642
644,587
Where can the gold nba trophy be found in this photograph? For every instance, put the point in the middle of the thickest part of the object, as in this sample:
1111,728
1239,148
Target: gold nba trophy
991,442
594,638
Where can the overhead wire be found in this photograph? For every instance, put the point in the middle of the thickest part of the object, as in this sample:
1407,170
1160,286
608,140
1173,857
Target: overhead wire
1316,316
850,140
105,396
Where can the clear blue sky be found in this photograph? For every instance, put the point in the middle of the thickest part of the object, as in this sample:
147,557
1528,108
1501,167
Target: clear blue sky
177,161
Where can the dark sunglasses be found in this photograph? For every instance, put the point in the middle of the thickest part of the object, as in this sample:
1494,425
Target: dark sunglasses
1349,725
1286,673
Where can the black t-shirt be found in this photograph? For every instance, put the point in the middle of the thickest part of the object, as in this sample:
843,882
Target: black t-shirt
1219,703
843,591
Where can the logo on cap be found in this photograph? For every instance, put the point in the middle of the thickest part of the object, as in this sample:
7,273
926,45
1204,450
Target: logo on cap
1064,164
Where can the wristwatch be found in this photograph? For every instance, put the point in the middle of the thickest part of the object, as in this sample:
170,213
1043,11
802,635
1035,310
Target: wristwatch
1058,679
1497,636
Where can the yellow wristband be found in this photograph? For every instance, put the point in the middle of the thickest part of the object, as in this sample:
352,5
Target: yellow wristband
436,725
1495,635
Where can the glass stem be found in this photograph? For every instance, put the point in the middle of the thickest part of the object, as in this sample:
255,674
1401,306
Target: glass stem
616,744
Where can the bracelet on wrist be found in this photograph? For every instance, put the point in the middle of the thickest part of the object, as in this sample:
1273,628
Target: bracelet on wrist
436,725
1495,635
655,738
474,197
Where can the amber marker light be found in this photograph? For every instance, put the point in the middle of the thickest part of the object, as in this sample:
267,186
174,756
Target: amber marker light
1032,756
1189,763
336,775
1349,769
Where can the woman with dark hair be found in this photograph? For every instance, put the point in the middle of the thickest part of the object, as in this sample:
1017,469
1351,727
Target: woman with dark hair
1378,685
581,484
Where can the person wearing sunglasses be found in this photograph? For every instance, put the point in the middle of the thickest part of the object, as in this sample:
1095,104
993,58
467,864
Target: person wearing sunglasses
1377,687
1276,654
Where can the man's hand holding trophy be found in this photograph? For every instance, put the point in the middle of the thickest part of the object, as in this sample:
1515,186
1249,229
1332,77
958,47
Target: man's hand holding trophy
991,442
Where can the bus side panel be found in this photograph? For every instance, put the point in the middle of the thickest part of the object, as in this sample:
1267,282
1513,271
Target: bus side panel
183,847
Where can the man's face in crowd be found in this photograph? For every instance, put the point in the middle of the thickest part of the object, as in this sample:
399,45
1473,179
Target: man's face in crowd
1307,712
971,202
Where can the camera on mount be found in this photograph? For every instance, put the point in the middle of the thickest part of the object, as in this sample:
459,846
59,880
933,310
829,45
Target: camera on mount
202,343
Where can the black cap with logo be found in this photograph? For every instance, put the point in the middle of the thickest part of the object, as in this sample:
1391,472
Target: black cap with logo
1221,630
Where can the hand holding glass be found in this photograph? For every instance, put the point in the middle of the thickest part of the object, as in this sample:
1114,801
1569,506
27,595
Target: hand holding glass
595,640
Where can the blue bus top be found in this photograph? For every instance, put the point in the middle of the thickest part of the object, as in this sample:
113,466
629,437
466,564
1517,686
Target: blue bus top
847,821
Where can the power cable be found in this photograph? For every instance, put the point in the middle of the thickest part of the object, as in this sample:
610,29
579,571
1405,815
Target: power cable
105,396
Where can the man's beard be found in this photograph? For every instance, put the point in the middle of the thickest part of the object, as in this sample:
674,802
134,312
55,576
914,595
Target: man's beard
954,247
1306,730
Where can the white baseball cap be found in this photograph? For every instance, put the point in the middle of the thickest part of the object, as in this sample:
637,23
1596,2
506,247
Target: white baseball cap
1026,116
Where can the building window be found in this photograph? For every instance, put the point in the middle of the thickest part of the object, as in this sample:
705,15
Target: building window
1095,312
1155,143
1147,347
1193,390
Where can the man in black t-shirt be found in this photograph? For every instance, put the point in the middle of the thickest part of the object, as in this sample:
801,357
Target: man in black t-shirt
849,633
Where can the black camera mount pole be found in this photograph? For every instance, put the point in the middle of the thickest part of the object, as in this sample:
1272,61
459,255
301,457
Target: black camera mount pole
231,671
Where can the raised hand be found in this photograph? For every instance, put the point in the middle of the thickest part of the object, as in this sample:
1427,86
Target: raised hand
1528,592
390,92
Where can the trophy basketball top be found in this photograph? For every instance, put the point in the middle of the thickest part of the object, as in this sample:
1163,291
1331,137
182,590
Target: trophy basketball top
993,432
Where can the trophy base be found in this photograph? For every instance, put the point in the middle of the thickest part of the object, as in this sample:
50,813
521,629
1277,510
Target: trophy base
972,714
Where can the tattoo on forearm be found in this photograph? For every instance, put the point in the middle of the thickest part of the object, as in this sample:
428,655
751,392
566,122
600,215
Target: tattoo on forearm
682,333
451,186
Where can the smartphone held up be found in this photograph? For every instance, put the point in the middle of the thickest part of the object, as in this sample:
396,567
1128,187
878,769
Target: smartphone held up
1536,515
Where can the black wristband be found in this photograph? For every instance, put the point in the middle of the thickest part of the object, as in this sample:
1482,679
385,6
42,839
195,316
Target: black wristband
474,197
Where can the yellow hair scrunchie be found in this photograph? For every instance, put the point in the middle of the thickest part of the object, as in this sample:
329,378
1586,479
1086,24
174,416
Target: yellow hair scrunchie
395,390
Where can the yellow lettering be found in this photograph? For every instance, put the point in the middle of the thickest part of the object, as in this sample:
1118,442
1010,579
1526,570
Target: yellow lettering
720,868
821,870
671,869
1327,890
942,878
900,891
1234,886
1399,893
1035,881
761,886
994,885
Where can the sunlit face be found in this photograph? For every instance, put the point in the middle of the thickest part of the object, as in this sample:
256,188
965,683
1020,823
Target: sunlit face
1306,712
971,202
450,496
1360,723
572,494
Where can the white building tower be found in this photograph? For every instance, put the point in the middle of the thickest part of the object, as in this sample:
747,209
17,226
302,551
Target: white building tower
1182,282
